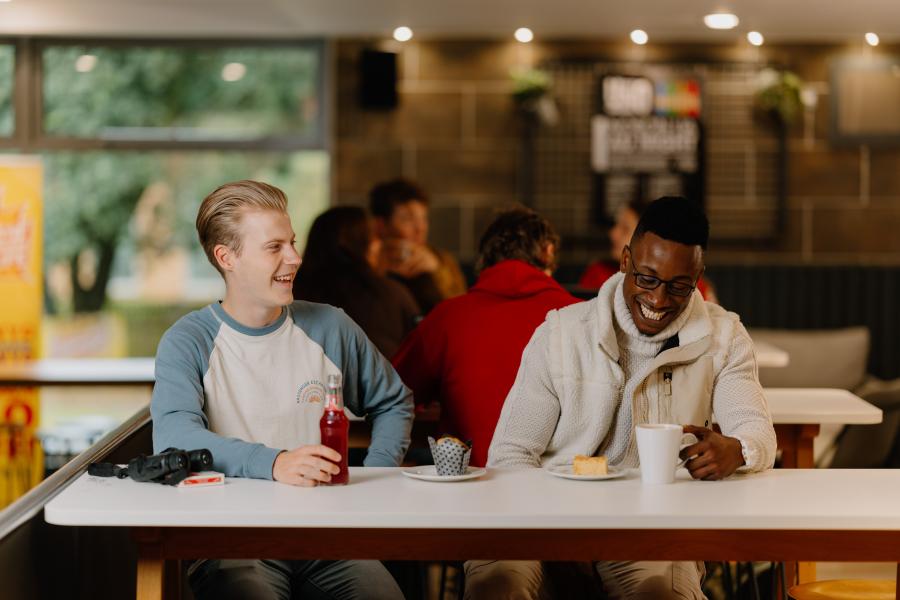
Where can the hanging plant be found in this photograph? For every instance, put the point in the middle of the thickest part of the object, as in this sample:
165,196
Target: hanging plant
531,93
778,96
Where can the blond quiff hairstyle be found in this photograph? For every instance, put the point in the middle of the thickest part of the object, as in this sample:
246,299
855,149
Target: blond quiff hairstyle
219,217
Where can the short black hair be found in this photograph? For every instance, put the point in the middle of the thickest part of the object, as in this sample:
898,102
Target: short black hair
677,219
520,234
388,195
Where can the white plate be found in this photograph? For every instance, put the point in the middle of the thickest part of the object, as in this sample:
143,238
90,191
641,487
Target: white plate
429,473
565,471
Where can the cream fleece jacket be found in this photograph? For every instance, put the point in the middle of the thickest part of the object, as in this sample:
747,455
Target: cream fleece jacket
567,392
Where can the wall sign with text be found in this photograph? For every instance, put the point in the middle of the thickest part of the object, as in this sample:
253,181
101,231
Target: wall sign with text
646,139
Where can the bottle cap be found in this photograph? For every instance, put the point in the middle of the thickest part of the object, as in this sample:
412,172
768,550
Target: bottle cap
334,381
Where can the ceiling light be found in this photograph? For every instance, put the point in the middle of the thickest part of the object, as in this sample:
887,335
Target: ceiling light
639,37
872,39
721,21
524,35
84,63
403,34
234,71
755,38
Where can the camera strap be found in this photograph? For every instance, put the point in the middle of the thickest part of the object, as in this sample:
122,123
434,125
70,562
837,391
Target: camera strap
107,470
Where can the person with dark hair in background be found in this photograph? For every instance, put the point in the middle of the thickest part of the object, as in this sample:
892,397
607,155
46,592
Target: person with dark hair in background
620,233
338,268
465,353
400,208
647,349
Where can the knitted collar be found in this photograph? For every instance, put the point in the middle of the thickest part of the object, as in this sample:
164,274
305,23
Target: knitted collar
627,333
695,328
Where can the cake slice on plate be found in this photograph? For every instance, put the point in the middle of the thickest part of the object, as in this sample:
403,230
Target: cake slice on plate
589,465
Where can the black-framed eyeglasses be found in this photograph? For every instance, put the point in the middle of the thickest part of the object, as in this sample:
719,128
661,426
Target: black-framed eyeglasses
649,282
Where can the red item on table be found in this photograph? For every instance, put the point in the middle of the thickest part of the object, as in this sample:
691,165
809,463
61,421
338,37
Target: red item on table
335,428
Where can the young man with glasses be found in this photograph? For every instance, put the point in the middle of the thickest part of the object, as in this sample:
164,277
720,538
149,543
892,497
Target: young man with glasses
647,349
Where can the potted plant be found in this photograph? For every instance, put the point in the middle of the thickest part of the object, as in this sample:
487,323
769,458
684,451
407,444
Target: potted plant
531,93
779,96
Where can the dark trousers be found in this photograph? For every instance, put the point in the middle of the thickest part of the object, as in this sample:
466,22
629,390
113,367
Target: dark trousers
292,579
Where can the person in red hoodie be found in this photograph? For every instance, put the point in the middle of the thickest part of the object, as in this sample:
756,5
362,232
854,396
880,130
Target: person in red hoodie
466,352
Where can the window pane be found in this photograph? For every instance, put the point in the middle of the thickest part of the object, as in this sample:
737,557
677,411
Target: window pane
120,245
180,93
7,77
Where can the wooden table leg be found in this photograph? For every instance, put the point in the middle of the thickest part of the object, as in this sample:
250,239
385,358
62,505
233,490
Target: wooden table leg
796,443
150,578
151,566
806,434
787,443
806,572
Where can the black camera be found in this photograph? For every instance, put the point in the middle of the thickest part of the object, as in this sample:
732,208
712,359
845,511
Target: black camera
169,467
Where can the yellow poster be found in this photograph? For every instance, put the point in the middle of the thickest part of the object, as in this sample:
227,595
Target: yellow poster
21,306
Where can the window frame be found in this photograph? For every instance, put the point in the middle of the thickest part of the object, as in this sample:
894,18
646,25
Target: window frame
28,131
18,94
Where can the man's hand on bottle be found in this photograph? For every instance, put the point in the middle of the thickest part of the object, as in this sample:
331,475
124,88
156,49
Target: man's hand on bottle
306,466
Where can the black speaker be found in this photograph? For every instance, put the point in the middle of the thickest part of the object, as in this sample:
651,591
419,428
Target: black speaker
378,79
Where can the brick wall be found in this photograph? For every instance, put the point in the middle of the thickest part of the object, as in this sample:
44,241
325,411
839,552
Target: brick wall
456,132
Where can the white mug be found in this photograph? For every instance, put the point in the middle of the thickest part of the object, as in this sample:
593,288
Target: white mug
658,446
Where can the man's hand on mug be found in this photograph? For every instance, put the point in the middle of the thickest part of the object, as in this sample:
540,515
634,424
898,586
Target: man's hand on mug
306,466
714,456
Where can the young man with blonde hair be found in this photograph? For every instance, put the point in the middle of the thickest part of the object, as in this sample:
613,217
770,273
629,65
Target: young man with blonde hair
244,377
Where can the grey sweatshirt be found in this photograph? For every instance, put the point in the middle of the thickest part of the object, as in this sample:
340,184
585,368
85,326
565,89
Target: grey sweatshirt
247,393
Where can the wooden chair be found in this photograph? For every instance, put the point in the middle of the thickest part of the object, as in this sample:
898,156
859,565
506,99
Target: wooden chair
845,589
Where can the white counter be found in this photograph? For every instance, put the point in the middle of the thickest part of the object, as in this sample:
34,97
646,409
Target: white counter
520,499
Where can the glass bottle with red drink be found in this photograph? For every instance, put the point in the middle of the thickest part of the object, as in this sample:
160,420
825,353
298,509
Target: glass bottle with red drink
335,427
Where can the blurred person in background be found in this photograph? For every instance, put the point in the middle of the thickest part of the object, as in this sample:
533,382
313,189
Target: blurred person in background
620,233
339,268
466,352
400,208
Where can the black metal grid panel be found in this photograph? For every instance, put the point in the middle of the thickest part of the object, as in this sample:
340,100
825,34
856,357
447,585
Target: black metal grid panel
740,155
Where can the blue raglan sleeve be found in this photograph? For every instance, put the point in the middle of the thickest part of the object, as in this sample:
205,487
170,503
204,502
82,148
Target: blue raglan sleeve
374,389
182,359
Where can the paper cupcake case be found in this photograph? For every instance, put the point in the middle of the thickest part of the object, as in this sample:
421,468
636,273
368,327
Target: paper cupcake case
450,457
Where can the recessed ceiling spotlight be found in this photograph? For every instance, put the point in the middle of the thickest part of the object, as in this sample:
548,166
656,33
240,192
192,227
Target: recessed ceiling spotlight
872,39
721,21
403,34
639,37
84,63
524,35
755,38
234,71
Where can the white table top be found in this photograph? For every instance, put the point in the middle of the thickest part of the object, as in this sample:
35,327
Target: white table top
79,371
810,499
89,371
768,355
787,405
820,406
